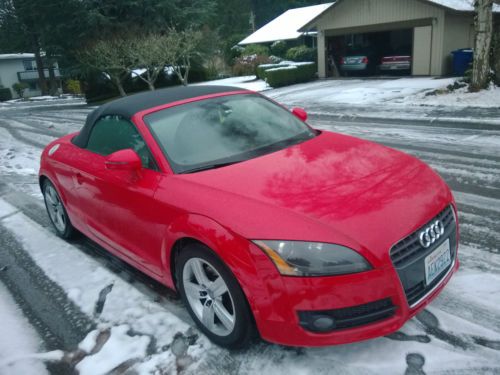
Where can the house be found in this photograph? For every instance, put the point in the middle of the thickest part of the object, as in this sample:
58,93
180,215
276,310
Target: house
21,67
286,26
429,29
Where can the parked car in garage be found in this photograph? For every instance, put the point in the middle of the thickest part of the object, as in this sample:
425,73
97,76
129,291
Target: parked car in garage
362,60
397,61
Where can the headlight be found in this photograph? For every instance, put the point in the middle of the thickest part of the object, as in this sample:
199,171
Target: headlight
296,258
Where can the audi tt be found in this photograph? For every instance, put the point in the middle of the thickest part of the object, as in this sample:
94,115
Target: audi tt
264,225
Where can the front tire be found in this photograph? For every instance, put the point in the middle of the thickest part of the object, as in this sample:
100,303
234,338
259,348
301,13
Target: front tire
57,213
213,297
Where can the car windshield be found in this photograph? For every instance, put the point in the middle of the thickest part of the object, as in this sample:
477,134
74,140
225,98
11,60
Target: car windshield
215,132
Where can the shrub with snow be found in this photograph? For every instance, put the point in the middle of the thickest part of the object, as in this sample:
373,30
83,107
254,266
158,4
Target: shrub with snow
284,75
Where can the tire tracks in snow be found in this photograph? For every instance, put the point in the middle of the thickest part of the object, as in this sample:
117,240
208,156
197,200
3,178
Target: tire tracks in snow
58,321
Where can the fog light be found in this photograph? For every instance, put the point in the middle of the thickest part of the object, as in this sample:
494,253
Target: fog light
316,321
323,323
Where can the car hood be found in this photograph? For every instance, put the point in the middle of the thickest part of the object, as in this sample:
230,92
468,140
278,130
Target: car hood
333,188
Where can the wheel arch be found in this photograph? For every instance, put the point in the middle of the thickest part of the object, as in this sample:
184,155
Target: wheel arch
44,176
233,250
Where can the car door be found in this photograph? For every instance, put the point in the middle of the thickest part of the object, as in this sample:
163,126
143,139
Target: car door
119,206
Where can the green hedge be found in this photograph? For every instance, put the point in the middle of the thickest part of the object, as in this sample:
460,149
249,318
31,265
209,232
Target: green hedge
289,75
261,69
301,53
5,94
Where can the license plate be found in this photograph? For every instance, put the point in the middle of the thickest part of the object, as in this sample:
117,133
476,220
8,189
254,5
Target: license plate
394,67
437,261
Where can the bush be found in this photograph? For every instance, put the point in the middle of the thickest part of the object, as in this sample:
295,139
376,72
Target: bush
278,48
5,94
72,86
230,48
261,69
301,53
255,49
20,88
289,75
247,65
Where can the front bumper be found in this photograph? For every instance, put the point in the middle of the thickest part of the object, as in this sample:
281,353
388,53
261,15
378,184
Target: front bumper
335,293
379,300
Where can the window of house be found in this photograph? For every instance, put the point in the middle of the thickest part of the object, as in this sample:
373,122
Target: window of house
29,65
114,133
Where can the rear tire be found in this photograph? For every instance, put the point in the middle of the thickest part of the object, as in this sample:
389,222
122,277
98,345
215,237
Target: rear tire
213,297
56,211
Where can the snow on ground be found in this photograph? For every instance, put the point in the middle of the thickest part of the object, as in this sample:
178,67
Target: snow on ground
388,91
118,349
358,91
489,98
18,339
125,310
43,101
17,158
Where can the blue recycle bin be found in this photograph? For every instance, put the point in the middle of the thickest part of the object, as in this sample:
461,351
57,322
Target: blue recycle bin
462,58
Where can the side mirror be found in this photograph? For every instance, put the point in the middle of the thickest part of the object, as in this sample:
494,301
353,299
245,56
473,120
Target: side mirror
124,160
300,113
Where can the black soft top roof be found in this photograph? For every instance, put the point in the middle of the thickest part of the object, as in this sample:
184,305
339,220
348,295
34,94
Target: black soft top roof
130,105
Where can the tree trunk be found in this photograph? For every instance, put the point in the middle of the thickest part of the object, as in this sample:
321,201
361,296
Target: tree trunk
495,57
52,78
118,83
185,78
42,82
150,81
483,23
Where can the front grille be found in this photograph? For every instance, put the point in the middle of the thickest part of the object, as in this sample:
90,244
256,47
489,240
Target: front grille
408,257
409,248
350,317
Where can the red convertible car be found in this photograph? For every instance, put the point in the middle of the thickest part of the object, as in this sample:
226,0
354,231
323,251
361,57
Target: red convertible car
264,225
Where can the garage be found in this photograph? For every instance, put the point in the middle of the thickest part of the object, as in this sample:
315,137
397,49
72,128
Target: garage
381,53
367,31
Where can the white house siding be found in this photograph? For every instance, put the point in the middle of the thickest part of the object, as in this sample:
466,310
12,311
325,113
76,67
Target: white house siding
355,16
8,76
8,73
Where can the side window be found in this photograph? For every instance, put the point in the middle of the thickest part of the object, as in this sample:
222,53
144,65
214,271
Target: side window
114,133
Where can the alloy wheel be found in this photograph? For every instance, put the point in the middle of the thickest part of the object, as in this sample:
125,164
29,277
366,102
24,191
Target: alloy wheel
209,297
55,208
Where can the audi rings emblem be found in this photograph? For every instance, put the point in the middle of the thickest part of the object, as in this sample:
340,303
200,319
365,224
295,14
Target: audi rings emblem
431,234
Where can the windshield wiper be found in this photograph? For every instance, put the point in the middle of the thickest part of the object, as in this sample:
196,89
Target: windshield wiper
211,166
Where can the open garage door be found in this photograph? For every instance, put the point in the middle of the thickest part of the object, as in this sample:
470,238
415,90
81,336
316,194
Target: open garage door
371,53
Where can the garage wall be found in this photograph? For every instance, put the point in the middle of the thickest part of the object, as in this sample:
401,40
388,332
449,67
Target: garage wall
351,16
352,13
459,34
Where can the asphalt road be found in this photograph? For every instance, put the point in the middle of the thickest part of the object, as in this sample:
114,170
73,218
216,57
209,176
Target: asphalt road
466,155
